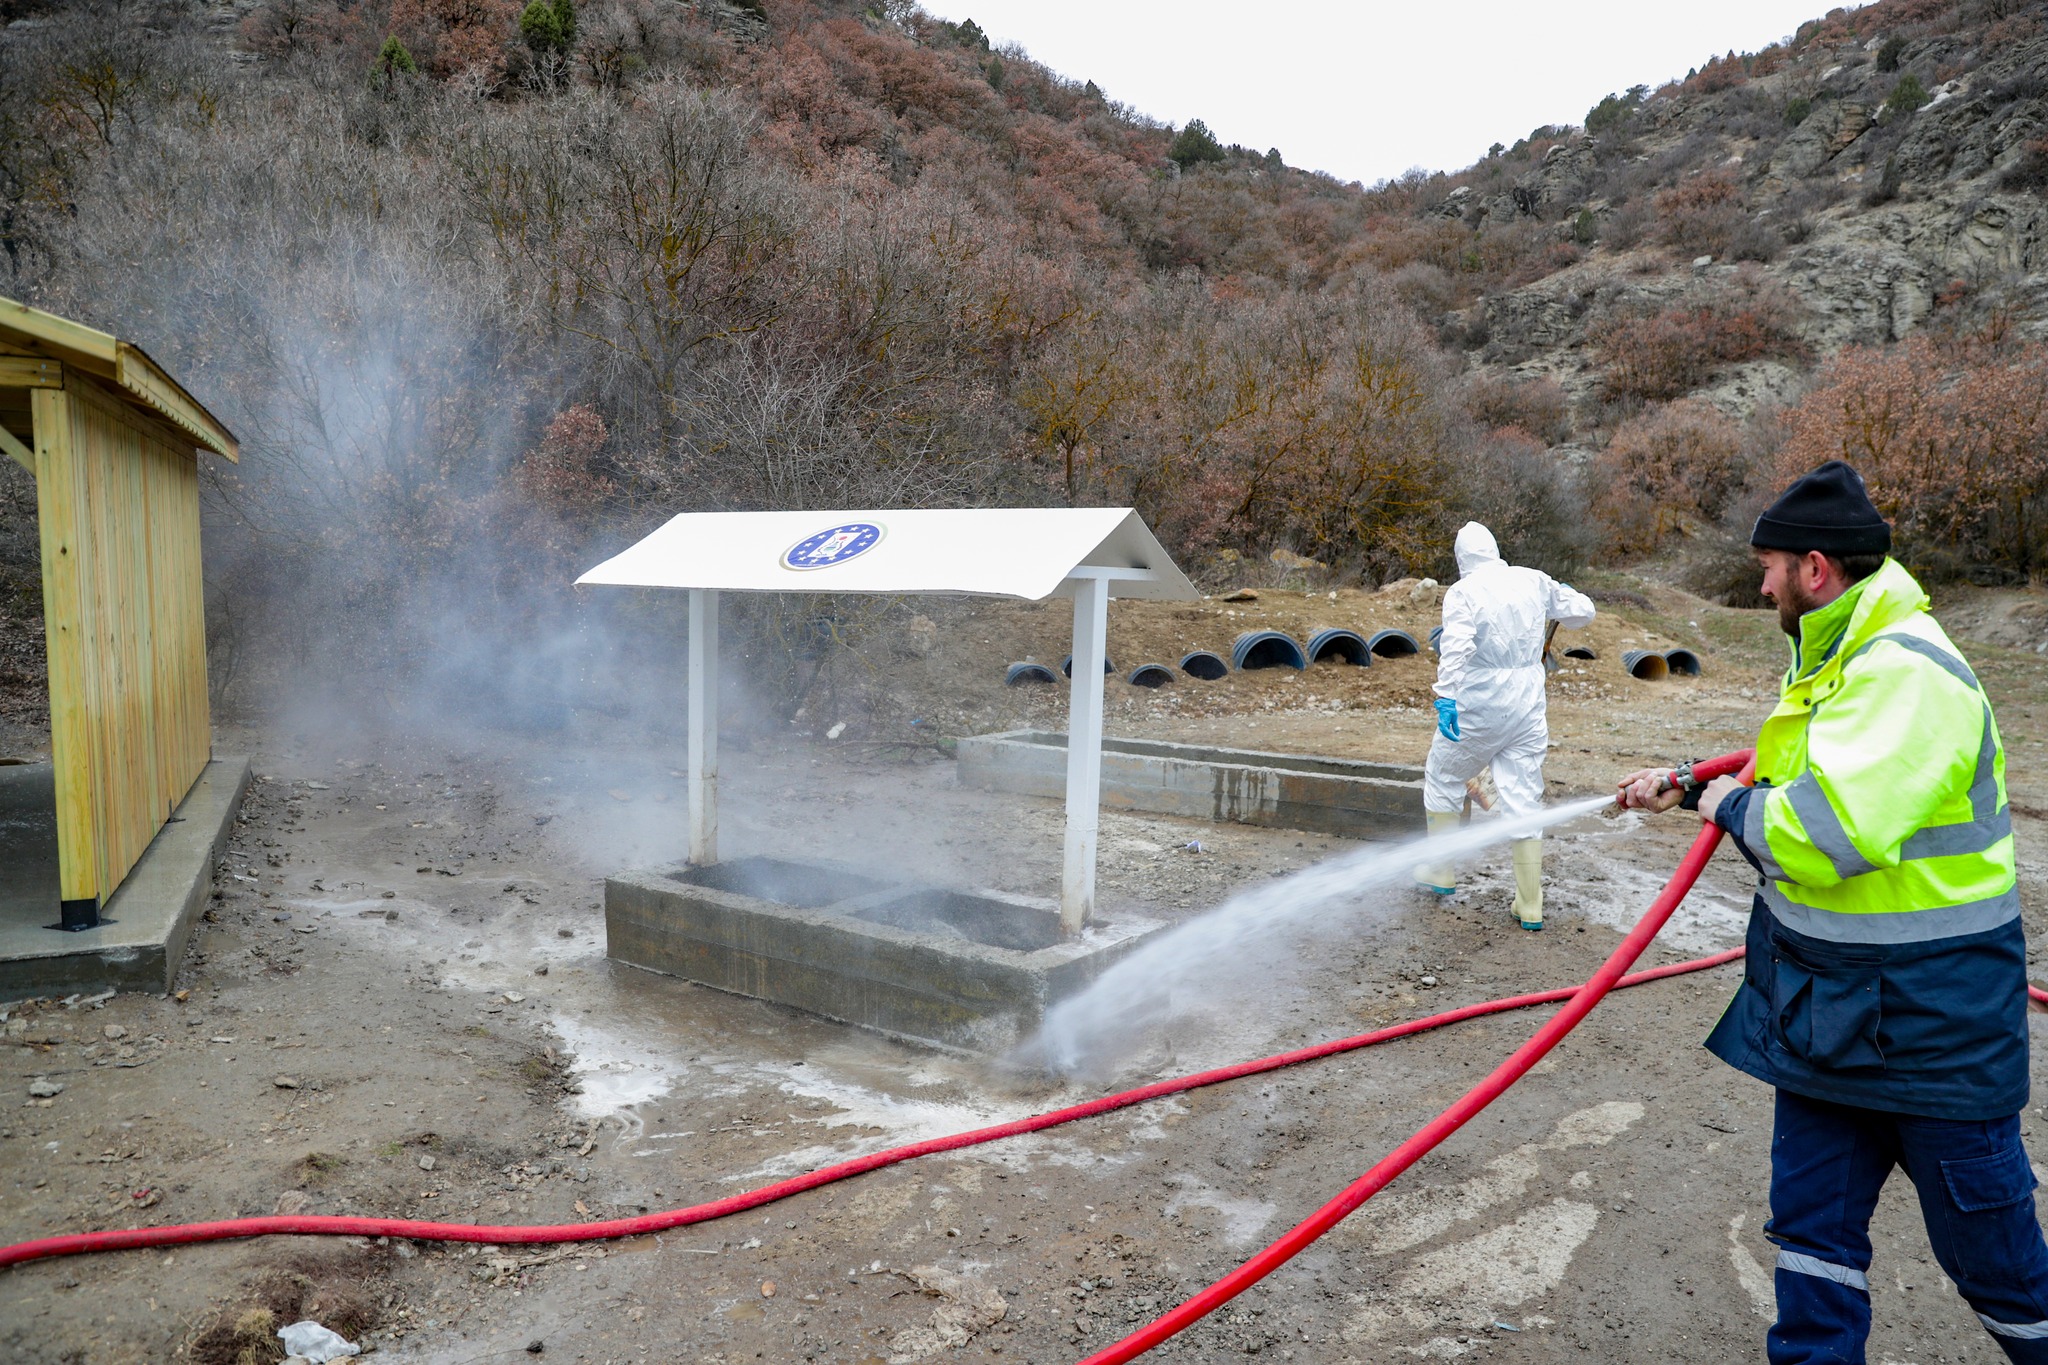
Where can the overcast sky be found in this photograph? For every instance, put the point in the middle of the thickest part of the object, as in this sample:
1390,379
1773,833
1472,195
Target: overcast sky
1364,89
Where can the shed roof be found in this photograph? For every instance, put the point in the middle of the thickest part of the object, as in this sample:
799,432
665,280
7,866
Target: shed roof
26,331
1027,552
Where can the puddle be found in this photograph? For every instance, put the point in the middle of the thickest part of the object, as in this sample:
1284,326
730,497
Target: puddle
617,1074
900,1120
1706,921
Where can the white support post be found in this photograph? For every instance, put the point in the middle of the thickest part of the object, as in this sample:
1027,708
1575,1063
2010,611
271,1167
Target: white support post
703,726
1084,753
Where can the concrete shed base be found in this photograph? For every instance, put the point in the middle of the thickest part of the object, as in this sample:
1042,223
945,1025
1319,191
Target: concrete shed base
1344,796
148,920
964,969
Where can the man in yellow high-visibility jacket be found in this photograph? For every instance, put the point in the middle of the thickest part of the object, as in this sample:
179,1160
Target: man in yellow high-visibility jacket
1884,992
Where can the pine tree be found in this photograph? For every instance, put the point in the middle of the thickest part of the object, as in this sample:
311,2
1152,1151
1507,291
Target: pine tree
1909,94
1193,145
541,26
392,62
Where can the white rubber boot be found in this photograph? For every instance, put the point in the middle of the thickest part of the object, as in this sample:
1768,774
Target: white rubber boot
1528,855
1441,878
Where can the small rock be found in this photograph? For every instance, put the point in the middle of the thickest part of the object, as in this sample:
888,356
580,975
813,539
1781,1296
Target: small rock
114,1031
565,933
513,997
535,1347
1702,262
43,1088
541,970
291,1202
390,895
1429,981
426,1163
1241,595
767,1289
836,731
285,1082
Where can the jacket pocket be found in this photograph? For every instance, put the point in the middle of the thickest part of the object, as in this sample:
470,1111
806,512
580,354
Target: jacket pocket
1826,1014
1989,1182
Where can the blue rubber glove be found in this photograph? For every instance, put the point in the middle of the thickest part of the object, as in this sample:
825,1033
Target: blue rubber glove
1447,719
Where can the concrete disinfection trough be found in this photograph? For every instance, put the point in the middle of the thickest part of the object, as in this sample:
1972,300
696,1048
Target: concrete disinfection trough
1348,797
964,969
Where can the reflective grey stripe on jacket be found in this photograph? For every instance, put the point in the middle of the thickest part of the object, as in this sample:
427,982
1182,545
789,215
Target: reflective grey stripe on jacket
1904,926
1754,838
1823,827
1990,821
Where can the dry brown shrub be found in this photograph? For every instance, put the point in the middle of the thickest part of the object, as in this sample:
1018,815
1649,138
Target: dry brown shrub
1953,441
1672,352
1663,469
1722,73
561,472
1705,215
449,38
1536,406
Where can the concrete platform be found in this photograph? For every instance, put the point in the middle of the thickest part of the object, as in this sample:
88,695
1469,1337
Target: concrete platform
150,916
1343,796
971,970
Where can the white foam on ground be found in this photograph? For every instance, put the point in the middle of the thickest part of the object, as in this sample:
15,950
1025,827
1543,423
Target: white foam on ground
617,1074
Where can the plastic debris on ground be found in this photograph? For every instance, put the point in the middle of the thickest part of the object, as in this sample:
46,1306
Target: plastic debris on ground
310,1341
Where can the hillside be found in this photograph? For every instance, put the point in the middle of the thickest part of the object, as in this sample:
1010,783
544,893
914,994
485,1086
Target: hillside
487,291
1885,172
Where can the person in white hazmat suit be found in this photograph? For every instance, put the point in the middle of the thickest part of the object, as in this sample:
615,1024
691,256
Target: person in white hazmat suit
1490,701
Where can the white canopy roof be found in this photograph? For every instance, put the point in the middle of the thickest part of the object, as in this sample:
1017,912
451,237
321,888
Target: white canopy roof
1031,553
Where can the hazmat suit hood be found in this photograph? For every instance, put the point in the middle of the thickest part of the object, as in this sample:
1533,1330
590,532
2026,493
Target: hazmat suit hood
1476,548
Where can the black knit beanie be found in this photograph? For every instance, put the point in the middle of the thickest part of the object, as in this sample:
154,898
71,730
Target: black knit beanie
1827,511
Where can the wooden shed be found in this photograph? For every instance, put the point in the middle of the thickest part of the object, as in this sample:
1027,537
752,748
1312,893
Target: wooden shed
114,443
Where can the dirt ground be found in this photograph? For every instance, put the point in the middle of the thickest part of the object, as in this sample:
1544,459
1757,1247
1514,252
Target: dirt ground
399,1004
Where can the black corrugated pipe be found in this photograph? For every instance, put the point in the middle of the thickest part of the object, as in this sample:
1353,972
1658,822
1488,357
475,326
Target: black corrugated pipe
1646,664
1267,649
1338,645
1398,644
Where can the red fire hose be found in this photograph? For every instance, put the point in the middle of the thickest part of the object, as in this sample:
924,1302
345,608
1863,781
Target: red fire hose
316,1225
323,1225
1582,999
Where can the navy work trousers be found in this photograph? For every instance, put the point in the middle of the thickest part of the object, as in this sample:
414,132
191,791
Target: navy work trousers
1828,1162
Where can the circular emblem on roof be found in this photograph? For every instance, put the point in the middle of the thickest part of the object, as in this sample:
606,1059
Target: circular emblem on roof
834,545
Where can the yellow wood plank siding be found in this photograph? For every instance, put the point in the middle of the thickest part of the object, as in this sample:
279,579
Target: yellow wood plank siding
126,625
